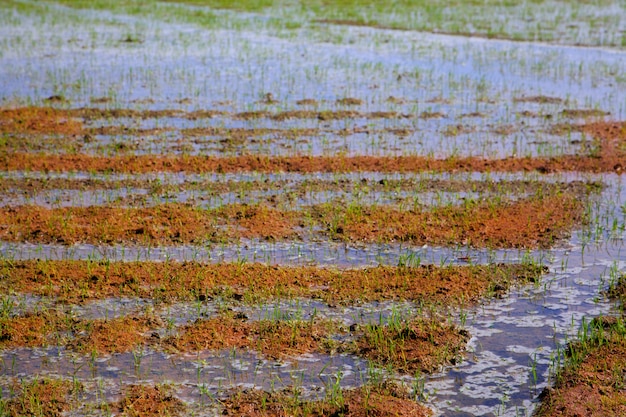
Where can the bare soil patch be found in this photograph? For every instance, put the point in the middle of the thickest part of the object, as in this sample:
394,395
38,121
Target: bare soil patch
45,120
259,221
149,401
76,281
538,222
603,162
31,186
33,329
118,335
535,221
273,338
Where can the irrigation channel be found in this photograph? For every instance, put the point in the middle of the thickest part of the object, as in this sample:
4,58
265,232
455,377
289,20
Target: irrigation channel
416,94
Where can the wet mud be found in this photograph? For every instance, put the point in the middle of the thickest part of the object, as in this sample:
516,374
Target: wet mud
206,211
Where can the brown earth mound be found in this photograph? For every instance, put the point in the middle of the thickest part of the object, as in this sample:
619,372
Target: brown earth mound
84,280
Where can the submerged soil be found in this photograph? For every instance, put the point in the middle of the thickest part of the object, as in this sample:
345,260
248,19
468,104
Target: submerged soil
28,185
608,156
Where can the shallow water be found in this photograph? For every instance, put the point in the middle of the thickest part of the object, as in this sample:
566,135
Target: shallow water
197,378
517,341
47,50
297,253
181,63
56,198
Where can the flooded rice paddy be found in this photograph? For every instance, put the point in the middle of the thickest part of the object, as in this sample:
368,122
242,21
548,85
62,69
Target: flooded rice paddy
264,159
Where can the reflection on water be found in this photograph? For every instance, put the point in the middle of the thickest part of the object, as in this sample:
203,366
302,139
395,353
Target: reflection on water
200,377
470,84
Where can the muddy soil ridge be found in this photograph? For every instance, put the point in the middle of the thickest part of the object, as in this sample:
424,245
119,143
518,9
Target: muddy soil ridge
608,154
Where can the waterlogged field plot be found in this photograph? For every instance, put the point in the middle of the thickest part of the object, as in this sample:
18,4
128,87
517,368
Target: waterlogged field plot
276,208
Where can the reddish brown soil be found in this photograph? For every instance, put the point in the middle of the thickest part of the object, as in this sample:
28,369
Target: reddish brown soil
147,401
537,221
605,162
376,401
612,134
526,223
34,329
118,335
107,225
259,222
423,345
35,120
274,339
596,387
82,280
212,334
38,120
40,397
103,336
